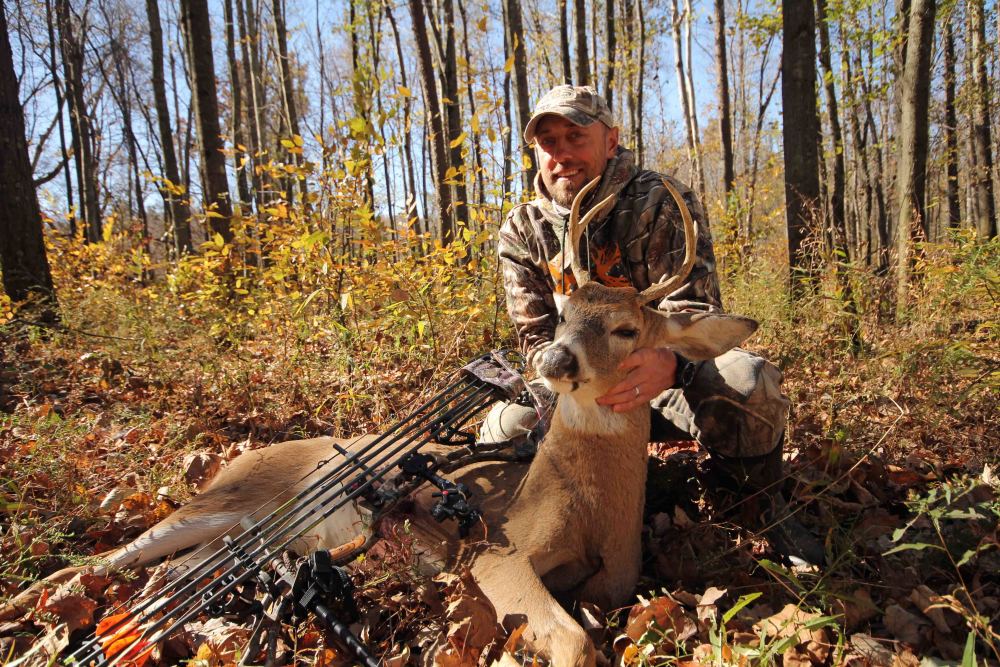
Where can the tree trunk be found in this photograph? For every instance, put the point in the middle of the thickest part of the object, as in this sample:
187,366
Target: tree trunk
252,82
582,58
725,129
515,35
640,85
609,72
236,91
982,145
692,103
800,131
863,179
433,107
173,198
198,31
912,145
951,127
454,116
411,193
508,137
82,137
567,67
375,36
477,149
57,85
119,91
838,219
23,261
687,109
291,113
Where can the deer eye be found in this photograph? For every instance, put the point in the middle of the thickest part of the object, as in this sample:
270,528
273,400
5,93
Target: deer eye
626,333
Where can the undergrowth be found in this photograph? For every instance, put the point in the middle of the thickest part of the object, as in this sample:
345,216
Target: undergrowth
305,331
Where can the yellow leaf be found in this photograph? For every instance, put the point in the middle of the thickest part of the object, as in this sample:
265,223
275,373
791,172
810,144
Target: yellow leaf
481,24
475,123
405,92
218,240
526,161
458,140
509,65
287,143
297,139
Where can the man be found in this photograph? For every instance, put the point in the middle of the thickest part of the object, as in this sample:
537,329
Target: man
732,405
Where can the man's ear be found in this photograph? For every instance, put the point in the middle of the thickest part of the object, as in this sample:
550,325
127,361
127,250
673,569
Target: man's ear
612,143
561,300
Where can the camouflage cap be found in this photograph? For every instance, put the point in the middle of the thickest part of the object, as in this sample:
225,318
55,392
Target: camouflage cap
580,105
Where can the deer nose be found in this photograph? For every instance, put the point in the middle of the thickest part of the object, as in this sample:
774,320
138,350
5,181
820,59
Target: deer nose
558,362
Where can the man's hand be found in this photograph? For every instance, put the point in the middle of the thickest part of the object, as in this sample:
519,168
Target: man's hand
650,371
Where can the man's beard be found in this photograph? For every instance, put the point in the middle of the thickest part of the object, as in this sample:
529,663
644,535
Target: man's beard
563,192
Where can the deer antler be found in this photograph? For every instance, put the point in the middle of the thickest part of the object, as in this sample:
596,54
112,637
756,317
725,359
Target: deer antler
577,226
658,290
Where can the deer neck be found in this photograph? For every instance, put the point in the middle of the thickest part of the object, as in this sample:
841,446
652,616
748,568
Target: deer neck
577,418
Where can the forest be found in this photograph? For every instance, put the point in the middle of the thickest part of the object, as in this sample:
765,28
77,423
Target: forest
225,224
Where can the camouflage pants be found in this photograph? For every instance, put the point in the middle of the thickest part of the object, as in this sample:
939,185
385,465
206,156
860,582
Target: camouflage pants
732,405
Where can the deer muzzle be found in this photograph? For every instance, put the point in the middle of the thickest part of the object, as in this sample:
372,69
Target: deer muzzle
559,364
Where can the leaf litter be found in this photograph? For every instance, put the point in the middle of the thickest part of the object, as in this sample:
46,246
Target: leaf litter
909,523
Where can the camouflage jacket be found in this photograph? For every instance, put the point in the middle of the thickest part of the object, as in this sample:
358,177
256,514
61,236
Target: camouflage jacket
639,242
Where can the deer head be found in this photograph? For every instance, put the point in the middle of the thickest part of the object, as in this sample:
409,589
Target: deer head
599,326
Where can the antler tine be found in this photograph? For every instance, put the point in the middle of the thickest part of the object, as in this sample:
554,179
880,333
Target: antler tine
658,290
577,226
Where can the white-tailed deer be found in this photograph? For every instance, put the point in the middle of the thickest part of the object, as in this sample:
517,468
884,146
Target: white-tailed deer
569,524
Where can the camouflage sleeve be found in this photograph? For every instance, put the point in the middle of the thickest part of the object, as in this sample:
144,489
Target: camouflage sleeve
530,303
665,253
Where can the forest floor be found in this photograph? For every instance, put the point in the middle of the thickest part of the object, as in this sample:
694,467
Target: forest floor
892,459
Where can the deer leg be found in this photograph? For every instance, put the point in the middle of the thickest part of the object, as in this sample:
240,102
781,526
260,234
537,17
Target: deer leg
514,588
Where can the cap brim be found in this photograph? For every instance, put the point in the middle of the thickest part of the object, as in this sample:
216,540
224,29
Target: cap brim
571,114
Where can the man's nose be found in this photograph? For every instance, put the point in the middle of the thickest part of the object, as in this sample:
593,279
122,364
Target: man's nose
558,151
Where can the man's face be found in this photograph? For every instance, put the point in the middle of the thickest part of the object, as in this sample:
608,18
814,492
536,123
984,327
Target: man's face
570,156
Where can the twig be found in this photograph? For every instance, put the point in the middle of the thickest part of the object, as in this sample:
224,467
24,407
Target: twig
66,329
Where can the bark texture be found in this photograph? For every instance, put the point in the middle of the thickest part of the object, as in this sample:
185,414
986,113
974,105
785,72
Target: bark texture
22,249
800,132
912,144
198,32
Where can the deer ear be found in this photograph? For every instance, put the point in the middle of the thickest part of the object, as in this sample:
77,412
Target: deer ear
701,335
560,300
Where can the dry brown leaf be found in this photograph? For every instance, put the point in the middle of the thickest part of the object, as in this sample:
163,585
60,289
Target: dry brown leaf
472,622
67,606
662,614
113,499
858,608
931,605
813,644
872,650
220,642
515,636
903,625
707,609
450,656
201,467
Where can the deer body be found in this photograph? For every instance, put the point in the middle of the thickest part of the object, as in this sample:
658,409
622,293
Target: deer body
567,526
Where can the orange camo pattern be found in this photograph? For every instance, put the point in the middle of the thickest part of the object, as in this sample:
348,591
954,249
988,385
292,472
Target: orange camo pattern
604,261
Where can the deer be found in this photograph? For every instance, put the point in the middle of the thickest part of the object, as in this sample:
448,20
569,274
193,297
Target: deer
566,526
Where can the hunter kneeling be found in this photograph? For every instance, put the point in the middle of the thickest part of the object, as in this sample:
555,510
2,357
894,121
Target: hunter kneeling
732,405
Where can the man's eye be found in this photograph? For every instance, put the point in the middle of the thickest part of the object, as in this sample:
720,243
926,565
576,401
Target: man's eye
626,333
561,319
